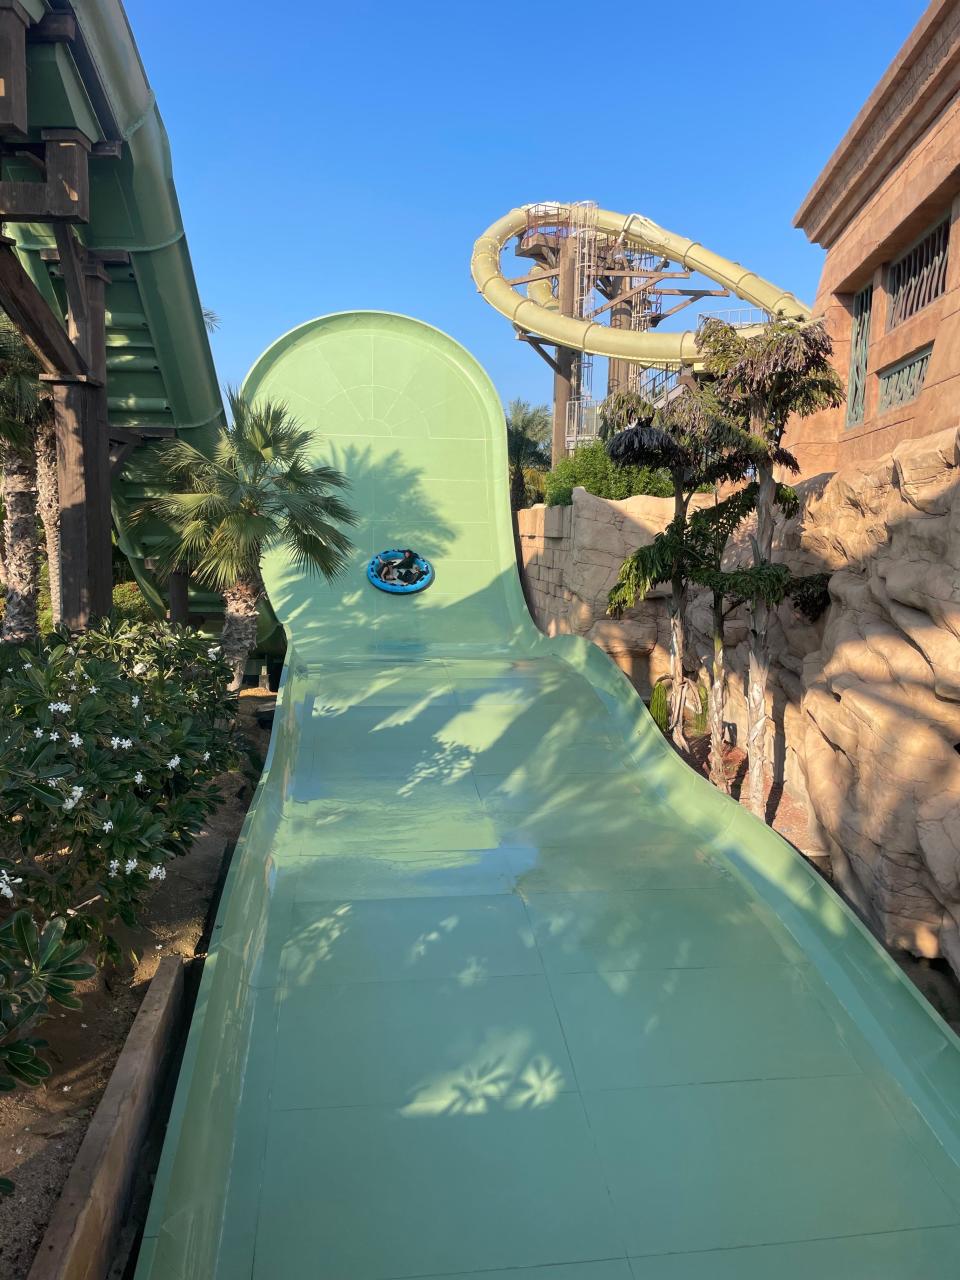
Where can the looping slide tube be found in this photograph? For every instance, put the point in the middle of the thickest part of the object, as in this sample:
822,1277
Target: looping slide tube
538,313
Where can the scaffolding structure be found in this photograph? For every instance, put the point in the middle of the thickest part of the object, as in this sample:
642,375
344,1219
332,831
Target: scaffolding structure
593,275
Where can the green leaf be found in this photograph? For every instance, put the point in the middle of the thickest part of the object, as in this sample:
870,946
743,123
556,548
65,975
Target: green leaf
25,932
51,938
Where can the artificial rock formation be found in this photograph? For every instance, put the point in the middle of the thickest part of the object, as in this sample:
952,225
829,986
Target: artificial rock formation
864,704
881,699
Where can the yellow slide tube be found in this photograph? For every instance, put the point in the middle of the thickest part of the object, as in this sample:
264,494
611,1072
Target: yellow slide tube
537,311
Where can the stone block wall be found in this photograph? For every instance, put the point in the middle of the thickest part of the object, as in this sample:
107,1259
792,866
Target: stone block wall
570,557
864,705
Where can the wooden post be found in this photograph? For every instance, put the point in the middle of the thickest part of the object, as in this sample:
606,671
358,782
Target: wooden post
620,315
179,604
14,21
83,473
566,299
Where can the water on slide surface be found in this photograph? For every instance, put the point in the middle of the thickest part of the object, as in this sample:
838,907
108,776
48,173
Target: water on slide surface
497,982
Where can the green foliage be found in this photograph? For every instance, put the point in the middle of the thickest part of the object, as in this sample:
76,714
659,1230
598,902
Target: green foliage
695,437
660,703
660,706
528,449
701,718
810,594
130,604
782,370
110,748
258,490
590,467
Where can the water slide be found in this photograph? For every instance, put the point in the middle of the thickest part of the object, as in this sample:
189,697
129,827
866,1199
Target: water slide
537,311
499,987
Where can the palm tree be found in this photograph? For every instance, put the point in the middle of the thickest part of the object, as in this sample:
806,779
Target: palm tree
699,443
768,377
529,429
29,461
257,491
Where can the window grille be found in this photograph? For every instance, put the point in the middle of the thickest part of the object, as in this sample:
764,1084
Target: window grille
903,382
919,276
859,349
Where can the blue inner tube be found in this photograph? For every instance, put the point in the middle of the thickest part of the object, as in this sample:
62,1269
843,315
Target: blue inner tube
379,562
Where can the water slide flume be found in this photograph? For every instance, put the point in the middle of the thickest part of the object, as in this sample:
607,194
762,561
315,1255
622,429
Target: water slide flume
537,312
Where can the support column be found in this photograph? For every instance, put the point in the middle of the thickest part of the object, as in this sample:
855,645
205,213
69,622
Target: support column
83,474
179,610
14,21
620,314
562,380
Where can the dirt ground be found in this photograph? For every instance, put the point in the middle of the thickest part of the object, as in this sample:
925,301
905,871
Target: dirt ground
41,1129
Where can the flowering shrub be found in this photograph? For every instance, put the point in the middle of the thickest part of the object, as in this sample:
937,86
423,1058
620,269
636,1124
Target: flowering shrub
110,746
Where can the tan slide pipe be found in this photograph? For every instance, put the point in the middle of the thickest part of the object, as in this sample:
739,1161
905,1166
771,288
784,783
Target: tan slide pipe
535,314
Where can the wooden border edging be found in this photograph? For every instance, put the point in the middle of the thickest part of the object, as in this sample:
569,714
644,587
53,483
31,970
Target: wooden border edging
80,1239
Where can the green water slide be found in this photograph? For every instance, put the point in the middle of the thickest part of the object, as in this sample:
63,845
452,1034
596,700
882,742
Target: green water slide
498,986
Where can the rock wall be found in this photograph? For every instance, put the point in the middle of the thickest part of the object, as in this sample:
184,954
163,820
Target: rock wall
570,558
881,696
864,705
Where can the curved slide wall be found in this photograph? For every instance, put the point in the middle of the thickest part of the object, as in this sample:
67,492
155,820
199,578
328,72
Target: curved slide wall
497,982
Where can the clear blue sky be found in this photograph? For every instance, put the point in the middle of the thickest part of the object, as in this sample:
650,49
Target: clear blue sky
336,156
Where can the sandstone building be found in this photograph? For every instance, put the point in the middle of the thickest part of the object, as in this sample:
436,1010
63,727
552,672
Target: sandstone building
887,210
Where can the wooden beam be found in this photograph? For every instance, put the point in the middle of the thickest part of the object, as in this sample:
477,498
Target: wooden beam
64,196
54,28
538,347
544,274
14,21
29,311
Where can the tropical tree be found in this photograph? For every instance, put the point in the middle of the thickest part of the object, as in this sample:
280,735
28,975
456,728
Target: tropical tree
528,445
782,371
29,462
258,490
698,443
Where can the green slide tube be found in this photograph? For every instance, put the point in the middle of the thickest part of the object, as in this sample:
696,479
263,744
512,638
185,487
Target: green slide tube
498,986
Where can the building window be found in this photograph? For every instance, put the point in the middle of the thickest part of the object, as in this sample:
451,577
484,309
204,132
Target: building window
859,347
903,381
919,276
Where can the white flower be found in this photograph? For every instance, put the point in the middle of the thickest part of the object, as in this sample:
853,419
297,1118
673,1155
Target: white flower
139,668
7,882
126,743
129,866
206,756
93,688
54,737
38,733
157,873
138,777
108,825
214,652
135,700
173,762
114,866
74,796
114,742
28,666
76,740
58,706
73,684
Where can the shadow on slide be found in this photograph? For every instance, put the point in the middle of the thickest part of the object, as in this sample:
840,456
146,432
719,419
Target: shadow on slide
497,982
